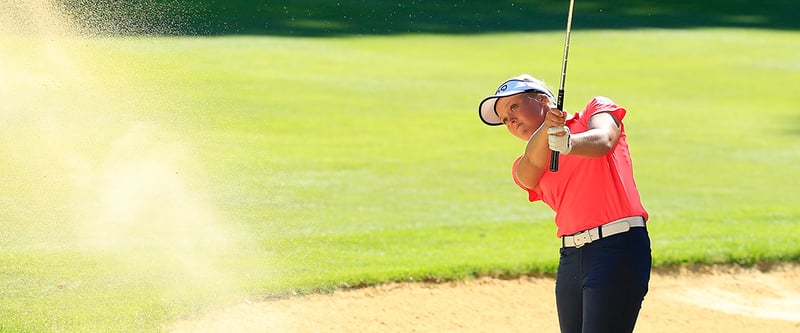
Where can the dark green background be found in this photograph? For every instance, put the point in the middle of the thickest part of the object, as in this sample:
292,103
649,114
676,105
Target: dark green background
360,17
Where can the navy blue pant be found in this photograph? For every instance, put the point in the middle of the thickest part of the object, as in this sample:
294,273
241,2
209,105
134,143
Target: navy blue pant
600,286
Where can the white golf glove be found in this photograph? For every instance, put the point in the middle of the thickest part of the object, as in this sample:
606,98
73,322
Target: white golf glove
560,144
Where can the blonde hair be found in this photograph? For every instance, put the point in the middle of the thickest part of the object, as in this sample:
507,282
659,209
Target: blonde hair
529,78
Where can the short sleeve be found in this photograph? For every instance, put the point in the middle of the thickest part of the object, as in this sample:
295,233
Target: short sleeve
604,104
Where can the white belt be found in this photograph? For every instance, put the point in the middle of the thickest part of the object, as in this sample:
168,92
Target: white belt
612,228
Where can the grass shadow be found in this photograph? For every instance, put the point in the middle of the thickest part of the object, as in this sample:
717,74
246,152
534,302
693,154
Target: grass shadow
380,17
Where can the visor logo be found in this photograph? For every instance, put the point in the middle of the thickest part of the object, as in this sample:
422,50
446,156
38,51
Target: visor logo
501,89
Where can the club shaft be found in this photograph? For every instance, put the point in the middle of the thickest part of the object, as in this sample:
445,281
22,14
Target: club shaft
554,155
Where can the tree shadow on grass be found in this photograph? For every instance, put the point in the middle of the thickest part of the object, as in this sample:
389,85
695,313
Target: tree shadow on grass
379,17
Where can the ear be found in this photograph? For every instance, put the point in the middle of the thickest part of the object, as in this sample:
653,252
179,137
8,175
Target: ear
543,100
548,102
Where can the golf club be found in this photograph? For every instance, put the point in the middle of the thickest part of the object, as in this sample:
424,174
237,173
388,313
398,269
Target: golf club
560,101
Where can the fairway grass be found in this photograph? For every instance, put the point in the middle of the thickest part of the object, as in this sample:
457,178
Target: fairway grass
154,178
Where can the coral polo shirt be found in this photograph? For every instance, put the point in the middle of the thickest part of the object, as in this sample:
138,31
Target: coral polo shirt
589,192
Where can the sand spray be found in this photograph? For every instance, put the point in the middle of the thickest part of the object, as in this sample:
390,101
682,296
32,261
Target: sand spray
86,170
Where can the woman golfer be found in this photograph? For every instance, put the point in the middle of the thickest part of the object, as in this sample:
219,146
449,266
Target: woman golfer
604,267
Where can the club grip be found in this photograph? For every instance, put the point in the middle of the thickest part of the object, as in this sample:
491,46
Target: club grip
554,154
554,161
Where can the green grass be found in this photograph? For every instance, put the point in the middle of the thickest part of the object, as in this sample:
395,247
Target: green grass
146,179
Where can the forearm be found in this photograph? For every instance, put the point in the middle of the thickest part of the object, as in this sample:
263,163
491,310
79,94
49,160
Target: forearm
535,160
537,153
603,134
592,143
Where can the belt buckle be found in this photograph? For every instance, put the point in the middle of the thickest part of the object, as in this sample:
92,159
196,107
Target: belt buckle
582,238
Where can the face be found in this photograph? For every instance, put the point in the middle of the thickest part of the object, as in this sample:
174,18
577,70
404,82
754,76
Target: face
522,113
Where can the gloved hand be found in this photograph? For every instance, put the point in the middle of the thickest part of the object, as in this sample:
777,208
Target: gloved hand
557,143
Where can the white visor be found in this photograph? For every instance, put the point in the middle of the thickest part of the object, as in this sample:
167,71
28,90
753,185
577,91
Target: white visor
486,110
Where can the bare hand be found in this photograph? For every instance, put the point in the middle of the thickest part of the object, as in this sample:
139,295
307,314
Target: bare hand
555,118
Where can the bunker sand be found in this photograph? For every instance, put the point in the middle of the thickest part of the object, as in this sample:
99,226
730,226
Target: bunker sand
706,299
